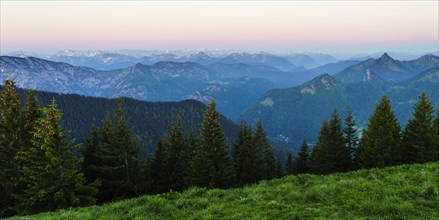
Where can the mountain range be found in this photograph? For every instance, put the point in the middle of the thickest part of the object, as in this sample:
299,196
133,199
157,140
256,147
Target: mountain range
151,82
245,86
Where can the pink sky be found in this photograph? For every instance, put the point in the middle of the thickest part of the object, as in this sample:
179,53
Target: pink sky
298,25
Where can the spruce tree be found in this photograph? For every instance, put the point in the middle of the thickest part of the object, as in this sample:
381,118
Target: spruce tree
269,163
11,144
339,155
177,157
350,133
300,164
50,169
16,125
116,158
211,164
247,156
145,176
289,165
319,160
330,153
158,169
379,144
435,139
278,171
417,144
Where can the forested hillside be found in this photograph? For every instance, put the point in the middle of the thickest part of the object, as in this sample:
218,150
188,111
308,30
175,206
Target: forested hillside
150,120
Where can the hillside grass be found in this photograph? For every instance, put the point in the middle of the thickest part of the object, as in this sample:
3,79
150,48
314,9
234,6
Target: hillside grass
401,192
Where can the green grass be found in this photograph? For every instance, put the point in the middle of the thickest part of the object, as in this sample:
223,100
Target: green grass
402,192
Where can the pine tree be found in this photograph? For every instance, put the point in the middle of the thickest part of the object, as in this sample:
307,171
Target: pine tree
50,173
269,161
319,160
417,138
350,133
11,128
116,158
289,165
300,164
379,144
211,165
247,157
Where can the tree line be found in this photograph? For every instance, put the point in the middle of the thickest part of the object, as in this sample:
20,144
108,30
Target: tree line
383,143
43,170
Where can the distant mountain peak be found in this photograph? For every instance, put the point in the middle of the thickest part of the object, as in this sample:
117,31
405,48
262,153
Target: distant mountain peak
200,56
386,57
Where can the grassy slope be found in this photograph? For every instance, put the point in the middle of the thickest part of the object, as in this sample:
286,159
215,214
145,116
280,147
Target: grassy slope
403,192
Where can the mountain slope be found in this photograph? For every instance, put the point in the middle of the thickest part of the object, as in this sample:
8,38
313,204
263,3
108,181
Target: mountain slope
401,192
387,68
292,114
233,95
259,58
295,113
150,120
332,68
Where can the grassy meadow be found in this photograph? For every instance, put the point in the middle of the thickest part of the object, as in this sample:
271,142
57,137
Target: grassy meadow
401,192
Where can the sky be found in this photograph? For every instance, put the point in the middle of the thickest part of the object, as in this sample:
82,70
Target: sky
338,26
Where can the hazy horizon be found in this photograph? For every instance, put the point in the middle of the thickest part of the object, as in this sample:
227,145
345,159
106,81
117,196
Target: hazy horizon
296,26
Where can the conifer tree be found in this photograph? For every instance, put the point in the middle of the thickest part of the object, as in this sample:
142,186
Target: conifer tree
145,176
158,169
417,144
247,156
319,160
330,153
269,163
350,133
10,145
211,164
379,144
177,157
435,138
16,125
289,165
300,164
339,155
89,154
278,171
50,172
116,158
